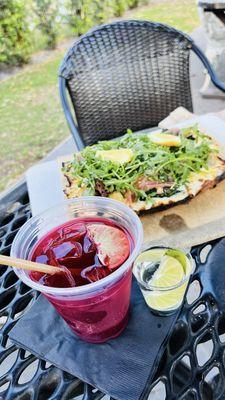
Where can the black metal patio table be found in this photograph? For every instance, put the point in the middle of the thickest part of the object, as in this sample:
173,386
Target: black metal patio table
178,376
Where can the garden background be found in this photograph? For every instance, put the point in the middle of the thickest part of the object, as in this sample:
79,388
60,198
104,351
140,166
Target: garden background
34,37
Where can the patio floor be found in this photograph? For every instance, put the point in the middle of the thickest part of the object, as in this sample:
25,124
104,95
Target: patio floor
201,105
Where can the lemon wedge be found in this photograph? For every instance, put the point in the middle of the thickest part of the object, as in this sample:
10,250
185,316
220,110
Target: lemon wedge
165,139
169,273
118,156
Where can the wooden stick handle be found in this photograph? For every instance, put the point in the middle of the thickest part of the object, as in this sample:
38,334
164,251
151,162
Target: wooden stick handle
29,265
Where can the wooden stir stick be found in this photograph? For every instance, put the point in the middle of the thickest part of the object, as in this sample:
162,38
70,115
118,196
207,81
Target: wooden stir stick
29,265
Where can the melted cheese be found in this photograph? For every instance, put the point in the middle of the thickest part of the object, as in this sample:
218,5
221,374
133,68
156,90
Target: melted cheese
197,180
75,189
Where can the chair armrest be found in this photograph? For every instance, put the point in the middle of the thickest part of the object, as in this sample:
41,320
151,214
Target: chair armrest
220,85
67,110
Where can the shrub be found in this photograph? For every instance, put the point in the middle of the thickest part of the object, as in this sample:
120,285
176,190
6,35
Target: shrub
81,15
18,18
14,33
103,10
119,7
134,3
84,14
47,11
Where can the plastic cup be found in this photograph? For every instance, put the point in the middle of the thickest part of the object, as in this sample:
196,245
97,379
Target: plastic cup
98,311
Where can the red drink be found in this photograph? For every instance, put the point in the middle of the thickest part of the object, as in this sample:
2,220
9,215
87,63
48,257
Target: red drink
94,296
91,249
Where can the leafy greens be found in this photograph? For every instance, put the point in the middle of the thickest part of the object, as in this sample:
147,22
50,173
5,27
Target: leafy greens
155,162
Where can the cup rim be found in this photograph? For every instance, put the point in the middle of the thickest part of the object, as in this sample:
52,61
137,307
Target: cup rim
172,287
91,287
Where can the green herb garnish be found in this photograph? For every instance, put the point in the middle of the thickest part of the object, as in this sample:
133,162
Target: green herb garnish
154,162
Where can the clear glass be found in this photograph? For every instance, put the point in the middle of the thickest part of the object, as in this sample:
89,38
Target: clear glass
98,311
164,300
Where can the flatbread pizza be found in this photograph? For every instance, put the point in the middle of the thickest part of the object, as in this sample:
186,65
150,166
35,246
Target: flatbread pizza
147,172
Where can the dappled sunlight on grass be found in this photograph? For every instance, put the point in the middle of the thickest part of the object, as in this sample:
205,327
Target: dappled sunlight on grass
32,122
181,14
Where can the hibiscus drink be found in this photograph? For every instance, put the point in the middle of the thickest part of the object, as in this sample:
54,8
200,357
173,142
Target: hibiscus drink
94,242
90,249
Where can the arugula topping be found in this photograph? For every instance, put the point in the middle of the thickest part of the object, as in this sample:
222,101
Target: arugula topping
153,162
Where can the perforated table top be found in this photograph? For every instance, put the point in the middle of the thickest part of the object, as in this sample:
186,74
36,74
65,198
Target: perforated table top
192,366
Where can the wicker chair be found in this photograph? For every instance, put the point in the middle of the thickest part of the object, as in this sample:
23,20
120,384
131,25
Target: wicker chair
127,74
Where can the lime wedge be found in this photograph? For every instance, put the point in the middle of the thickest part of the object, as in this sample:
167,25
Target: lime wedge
164,301
169,273
179,255
151,256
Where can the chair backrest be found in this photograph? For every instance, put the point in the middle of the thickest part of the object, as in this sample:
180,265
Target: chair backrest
127,74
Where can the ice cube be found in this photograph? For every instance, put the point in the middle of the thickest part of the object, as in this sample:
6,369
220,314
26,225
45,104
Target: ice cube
67,249
93,273
75,234
88,245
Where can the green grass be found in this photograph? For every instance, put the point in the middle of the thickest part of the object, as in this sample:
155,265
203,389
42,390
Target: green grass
32,122
181,14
